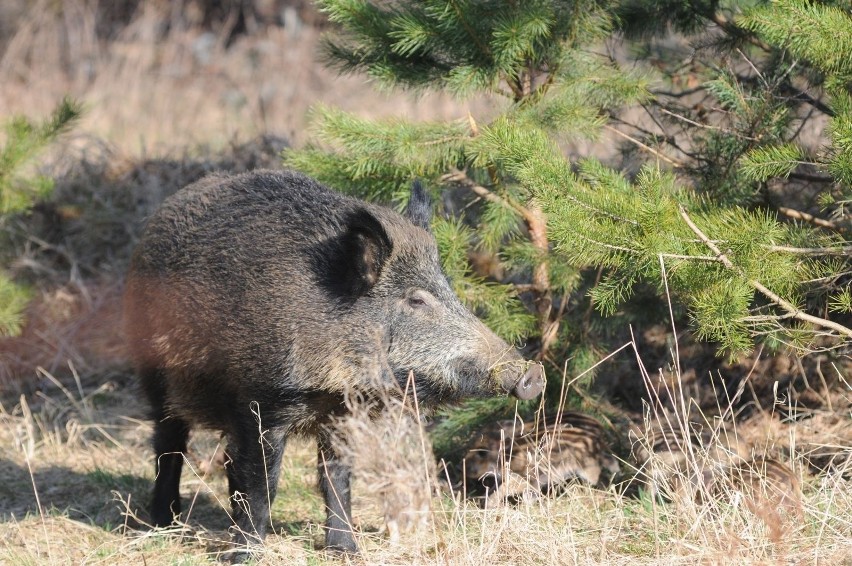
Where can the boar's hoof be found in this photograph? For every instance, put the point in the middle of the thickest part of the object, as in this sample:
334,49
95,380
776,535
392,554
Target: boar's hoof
341,545
236,556
531,384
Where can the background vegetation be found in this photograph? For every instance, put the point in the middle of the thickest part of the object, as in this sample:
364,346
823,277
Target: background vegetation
18,193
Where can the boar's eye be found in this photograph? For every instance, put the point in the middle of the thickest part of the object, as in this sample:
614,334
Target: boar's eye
418,300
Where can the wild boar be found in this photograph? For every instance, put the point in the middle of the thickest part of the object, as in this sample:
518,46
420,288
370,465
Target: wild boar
255,302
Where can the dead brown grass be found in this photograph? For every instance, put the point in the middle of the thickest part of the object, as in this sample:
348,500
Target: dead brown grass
385,441
77,473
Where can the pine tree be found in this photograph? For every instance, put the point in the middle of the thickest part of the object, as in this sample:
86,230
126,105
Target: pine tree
24,140
700,222
769,71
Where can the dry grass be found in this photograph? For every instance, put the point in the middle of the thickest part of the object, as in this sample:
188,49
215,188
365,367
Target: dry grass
77,473
163,82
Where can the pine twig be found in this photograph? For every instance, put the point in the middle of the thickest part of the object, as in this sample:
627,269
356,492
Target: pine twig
800,215
842,250
793,311
536,223
646,147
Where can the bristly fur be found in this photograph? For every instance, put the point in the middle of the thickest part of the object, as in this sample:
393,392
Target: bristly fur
419,209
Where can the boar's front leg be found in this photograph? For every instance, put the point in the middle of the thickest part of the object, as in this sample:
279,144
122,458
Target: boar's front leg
170,436
253,470
334,478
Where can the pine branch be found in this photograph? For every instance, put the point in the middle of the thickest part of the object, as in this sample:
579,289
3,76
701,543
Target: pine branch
791,309
740,133
23,141
470,31
536,223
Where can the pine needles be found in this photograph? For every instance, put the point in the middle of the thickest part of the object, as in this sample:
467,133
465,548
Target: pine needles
18,192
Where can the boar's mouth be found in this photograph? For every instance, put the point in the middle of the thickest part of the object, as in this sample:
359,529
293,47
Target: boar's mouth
522,379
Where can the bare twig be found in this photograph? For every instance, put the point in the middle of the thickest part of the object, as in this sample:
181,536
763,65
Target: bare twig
661,135
753,68
693,257
705,126
765,291
800,215
809,177
681,94
687,120
802,96
483,192
649,149
842,250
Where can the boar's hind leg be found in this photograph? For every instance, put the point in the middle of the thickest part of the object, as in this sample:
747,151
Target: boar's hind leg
253,469
170,435
334,478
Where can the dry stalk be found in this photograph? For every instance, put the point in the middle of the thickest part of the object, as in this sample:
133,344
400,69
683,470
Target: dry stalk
382,439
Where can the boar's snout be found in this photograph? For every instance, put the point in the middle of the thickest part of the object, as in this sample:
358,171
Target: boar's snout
531,384
522,380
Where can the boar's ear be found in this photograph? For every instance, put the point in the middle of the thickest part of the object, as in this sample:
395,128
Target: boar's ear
365,249
419,209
